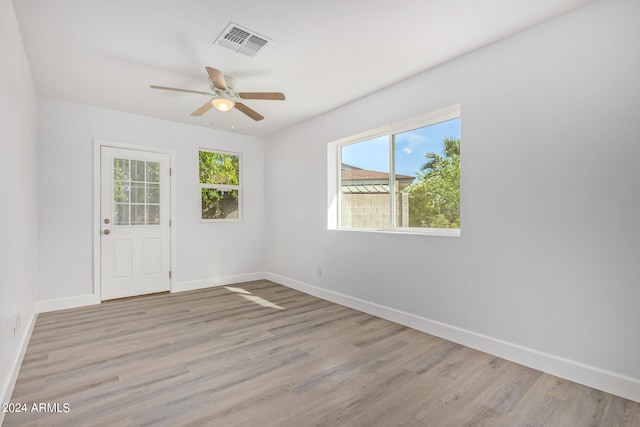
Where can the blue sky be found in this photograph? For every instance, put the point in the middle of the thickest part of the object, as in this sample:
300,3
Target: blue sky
410,148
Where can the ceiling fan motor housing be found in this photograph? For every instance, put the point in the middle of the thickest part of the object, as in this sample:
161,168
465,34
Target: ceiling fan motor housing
231,83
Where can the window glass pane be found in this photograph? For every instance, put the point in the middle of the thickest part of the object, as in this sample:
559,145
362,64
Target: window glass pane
364,182
427,172
153,193
137,215
219,168
153,214
121,214
153,172
137,192
219,204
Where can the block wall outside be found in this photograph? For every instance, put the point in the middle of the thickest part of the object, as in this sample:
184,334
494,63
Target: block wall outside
373,210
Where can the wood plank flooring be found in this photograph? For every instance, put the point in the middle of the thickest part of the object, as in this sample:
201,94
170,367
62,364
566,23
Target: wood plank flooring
260,354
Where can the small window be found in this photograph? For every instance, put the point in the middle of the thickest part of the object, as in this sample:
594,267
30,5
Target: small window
405,177
220,187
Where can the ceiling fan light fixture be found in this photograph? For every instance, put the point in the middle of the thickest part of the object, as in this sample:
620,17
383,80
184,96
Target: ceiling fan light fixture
223,104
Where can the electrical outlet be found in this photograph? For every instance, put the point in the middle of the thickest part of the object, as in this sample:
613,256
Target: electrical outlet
16,324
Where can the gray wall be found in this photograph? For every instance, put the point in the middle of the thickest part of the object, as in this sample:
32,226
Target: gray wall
547,259
548,256
206,253
18,196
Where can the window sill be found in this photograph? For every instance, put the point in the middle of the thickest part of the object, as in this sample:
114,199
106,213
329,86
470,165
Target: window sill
441,232
204,221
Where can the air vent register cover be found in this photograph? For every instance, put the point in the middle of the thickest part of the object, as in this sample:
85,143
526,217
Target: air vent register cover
242,40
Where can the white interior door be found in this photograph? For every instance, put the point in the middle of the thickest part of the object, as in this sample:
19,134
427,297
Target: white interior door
135,233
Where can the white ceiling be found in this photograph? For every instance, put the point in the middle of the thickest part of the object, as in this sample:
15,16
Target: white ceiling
324,54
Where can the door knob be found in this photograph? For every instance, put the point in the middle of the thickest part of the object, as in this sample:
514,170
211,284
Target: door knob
106,221
107,232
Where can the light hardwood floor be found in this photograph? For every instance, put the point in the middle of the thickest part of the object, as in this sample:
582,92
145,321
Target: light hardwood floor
260,354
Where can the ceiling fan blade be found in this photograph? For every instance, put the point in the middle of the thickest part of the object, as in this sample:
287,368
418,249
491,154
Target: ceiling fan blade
200,111
248,111
180,90
276,96
216,78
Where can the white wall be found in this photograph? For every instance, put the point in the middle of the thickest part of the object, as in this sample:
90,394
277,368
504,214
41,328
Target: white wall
548,261
206,253
18,197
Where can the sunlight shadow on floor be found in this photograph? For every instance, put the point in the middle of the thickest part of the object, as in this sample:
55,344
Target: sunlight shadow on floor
253,298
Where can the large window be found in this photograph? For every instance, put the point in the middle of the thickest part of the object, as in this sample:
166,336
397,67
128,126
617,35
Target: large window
220,186
405,177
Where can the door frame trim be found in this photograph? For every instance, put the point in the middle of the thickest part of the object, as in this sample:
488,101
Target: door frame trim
97,148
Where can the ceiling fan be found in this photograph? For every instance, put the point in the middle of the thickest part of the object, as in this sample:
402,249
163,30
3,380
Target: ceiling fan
224,95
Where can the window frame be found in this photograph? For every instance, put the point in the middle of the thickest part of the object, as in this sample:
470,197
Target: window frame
334,180
222,187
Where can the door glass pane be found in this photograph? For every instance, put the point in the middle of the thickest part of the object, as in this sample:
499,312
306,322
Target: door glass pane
153,214
153,171
136,192
121,191
121,214
153,193
121,169
137,215
137,170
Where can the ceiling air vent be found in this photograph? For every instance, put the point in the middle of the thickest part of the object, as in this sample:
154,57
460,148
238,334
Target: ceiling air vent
242,40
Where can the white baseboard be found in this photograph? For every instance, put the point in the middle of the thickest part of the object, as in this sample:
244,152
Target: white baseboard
93,299
14,368
64,303
217,281
572,370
